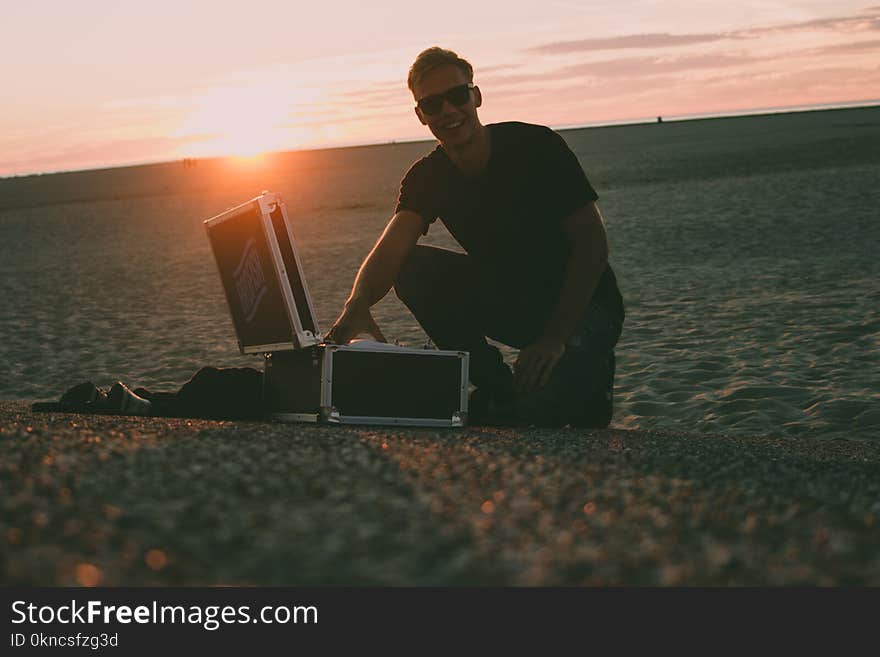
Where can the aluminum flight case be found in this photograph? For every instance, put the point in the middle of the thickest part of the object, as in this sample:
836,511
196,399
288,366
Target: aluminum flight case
262,276
304,379
368,383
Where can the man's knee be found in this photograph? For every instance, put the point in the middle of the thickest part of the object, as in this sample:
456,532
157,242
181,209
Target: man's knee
418,275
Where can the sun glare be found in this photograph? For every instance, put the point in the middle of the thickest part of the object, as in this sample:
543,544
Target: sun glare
246,144
242,122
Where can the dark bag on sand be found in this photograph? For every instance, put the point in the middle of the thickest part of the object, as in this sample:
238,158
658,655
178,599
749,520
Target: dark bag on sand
232,393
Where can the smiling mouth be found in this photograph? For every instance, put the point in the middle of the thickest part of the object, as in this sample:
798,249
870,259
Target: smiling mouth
453,125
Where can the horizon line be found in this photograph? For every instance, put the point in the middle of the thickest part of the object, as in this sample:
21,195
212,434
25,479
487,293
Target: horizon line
676,118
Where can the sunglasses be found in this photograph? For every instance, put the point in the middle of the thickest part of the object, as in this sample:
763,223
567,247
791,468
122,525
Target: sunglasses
456,95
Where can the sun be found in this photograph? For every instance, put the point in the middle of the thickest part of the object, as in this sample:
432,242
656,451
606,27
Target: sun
247,143
242,121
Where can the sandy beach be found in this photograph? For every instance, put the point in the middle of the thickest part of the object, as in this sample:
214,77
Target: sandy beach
108,500
743,449
743,249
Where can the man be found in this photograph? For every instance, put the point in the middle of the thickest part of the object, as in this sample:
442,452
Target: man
535,274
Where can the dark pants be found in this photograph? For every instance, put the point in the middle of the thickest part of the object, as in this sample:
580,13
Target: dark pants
460,303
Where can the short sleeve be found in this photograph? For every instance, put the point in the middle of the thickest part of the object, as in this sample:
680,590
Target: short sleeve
418,193
568,188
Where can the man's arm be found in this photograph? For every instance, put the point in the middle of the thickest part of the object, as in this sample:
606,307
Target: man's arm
376,276
585,231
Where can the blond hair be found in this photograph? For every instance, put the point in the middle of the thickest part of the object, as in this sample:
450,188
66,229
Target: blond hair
435,57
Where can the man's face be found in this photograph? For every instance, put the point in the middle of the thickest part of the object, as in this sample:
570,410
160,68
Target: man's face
453,124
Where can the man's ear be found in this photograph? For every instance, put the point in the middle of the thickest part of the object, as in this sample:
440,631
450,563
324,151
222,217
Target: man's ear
478,97
419,114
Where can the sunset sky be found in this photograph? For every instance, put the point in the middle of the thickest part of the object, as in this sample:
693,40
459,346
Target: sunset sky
94,83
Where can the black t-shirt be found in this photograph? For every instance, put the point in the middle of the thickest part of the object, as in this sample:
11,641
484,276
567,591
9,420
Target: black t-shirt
510,216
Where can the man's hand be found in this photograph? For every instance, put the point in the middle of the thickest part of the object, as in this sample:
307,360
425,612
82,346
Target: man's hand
354,320
376,277
535,364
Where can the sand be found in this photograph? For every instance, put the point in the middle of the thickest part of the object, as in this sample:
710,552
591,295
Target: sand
744,247
134,501
743,447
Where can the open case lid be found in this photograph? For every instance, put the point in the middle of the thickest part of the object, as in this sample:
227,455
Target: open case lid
262,276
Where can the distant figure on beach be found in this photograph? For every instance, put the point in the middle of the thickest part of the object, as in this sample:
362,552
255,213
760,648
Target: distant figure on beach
534,275
659,119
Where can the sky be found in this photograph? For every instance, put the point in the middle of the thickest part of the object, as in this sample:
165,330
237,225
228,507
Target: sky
92,83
